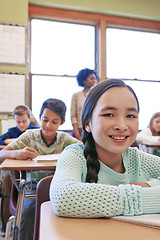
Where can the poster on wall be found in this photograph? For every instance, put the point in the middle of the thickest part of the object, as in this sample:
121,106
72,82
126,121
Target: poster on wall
12,92
12,44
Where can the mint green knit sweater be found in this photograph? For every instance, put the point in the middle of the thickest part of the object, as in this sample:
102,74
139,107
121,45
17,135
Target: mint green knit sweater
72,197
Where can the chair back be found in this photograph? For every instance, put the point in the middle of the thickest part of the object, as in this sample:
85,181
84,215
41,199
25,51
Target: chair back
14,196
13,200
42,195
135,144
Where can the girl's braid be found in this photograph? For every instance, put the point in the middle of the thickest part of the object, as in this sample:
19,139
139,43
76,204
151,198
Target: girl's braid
90,154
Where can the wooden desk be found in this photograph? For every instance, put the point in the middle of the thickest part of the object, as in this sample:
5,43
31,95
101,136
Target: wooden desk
149,148
59,228
151,145
23,166
13,165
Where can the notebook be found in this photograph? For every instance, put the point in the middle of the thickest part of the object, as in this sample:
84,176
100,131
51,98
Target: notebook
149,220
46,158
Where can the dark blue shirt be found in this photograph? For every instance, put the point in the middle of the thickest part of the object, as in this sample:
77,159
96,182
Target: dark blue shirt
14,133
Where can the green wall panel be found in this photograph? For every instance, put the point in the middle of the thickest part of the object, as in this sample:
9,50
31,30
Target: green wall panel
144,9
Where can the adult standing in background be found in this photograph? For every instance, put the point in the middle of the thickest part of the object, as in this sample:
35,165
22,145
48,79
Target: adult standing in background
86,78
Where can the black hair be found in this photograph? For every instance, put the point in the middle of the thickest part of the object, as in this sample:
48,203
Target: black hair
55,105
92,97
83,75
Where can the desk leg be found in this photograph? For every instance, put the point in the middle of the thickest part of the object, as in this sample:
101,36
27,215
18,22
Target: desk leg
16,229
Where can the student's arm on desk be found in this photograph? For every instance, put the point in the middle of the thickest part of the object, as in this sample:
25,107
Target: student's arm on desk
23,154
152,182
9,140
146,137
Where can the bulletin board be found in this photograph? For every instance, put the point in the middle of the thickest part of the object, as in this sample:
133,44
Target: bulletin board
12,92
12,44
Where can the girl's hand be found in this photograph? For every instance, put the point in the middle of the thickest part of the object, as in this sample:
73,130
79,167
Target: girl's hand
26,153
142,184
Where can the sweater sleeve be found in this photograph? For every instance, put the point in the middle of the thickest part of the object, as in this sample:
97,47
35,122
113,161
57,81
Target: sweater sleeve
146,137
151,200
72,197
6,135
1,141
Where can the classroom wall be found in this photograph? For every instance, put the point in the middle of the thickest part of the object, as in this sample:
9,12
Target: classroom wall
16,12
145,9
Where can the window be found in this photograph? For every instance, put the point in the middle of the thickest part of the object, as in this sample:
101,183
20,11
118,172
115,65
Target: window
58,51
104,50
44,87
134,57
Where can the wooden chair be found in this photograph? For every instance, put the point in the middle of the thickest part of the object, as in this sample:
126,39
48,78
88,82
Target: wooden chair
42,195
13,200
5,191
16,203
135,144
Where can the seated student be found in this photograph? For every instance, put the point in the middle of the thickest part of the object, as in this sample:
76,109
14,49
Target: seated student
150,135
23,116
104,177
24,120
47,140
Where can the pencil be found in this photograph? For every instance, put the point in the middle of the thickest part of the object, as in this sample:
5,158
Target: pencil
22,143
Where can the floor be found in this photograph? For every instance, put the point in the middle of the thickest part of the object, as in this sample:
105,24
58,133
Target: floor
1,238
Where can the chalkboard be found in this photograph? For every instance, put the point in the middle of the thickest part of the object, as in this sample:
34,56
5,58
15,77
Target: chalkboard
12,92
12,44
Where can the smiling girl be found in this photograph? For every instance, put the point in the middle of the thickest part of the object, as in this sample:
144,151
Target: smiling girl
104,176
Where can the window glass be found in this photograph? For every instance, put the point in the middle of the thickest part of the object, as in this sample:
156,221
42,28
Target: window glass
58,51
53,87
61,48
149,99
134,56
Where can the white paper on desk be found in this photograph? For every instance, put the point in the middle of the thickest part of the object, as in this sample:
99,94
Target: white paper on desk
45,158
149,220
